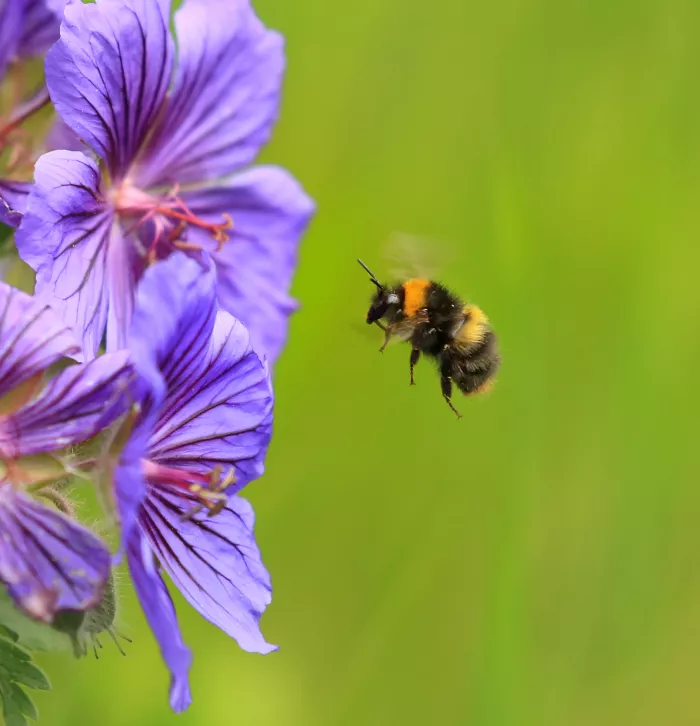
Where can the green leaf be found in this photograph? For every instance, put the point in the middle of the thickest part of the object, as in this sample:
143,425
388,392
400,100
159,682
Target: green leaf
17,670
9,634
16,703
18,666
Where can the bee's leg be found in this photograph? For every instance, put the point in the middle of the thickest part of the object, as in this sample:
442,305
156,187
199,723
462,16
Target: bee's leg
415,355
388,332
446,384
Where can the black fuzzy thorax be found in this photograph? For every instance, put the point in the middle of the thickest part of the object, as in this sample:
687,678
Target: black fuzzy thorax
444,313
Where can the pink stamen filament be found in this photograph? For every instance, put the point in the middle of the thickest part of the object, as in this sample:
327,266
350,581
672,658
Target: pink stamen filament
130,201
207,489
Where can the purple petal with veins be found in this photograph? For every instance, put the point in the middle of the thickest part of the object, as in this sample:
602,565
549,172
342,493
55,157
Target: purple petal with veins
203,433
32,338
65,237
214,562
47,561
73,407
270,212
218,413
225,99
160,613
109,73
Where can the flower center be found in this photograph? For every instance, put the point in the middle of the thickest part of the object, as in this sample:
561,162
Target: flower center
162,222
202,491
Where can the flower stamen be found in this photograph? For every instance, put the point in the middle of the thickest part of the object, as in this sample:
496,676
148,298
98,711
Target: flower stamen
171,218
207,491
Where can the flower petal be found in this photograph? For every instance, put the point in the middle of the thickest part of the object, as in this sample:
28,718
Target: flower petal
109,73
47,561
174,317
129,485
13,201
32,337
75,406
218,412
61,137
175,308
225,98
214,562
270,213
41,25
124,267
11,19
65,235
160,612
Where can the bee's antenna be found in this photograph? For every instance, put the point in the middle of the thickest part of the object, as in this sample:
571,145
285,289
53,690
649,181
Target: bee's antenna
371,275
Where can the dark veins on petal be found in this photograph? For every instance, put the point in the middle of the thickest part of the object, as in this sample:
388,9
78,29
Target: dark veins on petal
63,565
78,403
17,362
193,386
155,524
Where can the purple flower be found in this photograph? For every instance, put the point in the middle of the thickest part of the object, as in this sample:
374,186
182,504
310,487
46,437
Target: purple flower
174,170
27,28
201,435
47,561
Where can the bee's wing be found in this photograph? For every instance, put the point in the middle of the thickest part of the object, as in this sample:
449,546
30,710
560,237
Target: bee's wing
372,334
409,256
368,332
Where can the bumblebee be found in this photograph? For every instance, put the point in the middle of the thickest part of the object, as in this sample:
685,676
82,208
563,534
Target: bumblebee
440,325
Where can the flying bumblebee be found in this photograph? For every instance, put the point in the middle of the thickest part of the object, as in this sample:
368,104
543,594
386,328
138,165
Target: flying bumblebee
440,325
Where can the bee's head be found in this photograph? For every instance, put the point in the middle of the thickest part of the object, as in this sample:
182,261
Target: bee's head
382,300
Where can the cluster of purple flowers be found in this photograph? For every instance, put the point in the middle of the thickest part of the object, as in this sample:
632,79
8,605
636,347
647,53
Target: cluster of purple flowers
163,264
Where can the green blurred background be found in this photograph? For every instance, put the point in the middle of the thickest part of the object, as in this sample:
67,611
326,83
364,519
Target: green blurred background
536,562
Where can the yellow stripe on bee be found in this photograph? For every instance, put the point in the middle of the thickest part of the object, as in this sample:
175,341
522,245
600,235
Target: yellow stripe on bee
415,293
475,327
483,389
